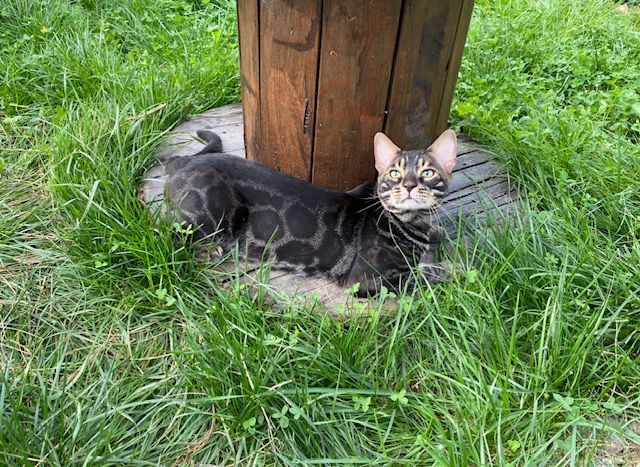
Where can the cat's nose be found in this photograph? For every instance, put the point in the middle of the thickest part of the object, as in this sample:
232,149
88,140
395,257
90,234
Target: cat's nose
410,182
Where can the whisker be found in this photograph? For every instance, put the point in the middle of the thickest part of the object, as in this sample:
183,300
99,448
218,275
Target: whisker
438,208
369,206
379,217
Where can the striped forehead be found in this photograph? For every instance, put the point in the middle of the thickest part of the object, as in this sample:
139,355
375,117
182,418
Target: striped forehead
413,160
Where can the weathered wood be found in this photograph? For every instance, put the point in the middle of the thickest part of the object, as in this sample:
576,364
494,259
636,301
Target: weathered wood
454,65
320,77
427,33
473,175
226,120
289,43
480,190
471,158
465,148
454,196
355,67
491,190
249,39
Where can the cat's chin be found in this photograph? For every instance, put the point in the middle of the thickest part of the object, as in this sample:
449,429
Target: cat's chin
412,204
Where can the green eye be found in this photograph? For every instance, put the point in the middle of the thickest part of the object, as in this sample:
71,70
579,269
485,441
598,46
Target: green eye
395,174
427,173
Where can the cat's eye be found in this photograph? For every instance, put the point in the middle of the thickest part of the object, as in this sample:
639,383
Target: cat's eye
427,173
395,174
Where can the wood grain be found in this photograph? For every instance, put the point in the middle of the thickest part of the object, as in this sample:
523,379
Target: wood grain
453,196
249,38
355,66
289,43
454,65
321,77
473,175
427,33
468,159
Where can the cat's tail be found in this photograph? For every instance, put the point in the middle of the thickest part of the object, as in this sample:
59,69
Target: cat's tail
214,142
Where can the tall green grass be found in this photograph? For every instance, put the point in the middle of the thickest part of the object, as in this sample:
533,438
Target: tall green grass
115,348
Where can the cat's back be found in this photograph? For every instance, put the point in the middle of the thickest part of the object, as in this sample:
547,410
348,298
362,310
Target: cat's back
255,183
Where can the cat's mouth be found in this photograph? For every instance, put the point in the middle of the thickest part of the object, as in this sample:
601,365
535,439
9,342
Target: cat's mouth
409,201
411,204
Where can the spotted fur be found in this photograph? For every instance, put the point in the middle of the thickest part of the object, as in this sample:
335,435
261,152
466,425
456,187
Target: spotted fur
372,235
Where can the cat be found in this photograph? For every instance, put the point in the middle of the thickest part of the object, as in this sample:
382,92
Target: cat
372,235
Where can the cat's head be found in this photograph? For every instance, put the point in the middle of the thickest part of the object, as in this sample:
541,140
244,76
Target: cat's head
412,181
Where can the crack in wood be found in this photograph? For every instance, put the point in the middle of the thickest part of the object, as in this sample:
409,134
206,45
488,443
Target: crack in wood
307,115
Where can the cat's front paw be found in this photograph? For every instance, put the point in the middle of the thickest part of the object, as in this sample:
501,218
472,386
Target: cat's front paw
212,253
437,234
434,273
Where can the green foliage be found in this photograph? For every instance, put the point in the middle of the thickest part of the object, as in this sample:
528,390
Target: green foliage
116,347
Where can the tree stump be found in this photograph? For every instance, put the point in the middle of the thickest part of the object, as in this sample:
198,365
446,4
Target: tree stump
320,77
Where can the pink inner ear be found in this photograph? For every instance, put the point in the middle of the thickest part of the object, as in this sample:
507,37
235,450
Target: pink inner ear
384,150
444,150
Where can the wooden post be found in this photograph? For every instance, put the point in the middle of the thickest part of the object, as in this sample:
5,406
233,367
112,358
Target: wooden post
321,77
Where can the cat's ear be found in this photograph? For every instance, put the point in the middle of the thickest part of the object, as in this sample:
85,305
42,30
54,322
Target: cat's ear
384,150
444,149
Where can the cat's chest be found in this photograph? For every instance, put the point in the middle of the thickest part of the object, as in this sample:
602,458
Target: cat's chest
391,246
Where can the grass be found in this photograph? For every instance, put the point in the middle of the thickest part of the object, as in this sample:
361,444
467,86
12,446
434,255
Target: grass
115,348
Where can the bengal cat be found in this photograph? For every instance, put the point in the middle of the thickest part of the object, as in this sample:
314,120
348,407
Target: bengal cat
373,235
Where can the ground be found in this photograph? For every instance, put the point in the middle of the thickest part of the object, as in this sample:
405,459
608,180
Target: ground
117,347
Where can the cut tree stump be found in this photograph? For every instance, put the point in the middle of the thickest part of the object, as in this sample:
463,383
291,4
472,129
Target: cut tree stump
479,190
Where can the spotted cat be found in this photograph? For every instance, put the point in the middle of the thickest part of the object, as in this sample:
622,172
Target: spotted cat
373,234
